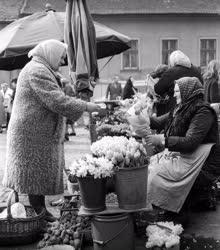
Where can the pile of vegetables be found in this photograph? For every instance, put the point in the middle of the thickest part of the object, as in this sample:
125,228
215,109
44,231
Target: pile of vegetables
70,229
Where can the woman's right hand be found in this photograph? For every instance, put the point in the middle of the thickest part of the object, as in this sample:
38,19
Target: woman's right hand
92,107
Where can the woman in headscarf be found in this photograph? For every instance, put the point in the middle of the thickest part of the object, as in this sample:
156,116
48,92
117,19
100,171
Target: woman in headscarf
191,136
129,89
35,138
180,66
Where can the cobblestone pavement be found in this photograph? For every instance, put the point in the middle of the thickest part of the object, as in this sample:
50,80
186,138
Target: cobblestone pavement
205,224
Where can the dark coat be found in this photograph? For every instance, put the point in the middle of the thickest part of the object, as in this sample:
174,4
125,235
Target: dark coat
211,90
128,91
165,85
197,128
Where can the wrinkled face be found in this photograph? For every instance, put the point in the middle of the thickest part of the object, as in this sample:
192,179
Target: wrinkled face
177,94
62,60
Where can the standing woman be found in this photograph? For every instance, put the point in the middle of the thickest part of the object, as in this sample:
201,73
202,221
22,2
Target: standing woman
35,138
129,89
211,78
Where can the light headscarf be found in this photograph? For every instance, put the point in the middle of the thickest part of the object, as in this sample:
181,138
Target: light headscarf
51,51
177,57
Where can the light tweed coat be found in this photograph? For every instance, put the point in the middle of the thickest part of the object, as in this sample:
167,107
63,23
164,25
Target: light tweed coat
35,150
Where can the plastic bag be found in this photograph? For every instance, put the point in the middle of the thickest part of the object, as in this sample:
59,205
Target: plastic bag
17,211
138,118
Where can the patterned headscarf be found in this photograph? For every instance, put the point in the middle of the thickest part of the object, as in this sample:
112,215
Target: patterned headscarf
177,57
192,97
189,87
51,51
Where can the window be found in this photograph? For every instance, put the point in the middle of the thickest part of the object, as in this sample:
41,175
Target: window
207,51
168,46
130,58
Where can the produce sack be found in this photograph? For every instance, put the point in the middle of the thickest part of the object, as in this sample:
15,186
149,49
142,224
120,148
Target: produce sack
17,211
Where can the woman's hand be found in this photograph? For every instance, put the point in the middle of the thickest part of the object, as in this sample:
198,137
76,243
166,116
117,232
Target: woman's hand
155,140
92,107
216,107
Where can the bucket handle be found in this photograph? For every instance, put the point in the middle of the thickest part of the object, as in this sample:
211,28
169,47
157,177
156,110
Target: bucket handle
103,243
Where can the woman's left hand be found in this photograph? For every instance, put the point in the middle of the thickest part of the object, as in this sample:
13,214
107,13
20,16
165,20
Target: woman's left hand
155,140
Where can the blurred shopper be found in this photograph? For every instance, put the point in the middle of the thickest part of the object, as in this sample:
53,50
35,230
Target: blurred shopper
129,89
114,89
12,96
7,94
35,139
162,103
211,80
180,66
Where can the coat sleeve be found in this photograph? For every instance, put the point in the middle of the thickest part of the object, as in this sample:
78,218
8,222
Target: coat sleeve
159,122
196,133
50,95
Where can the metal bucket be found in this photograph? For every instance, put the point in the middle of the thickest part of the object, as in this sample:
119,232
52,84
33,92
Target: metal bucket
131,187
113,232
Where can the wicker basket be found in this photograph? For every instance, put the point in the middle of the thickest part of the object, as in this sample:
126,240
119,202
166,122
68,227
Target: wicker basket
20,231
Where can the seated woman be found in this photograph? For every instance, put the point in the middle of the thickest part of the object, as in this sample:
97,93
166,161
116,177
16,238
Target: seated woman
191,136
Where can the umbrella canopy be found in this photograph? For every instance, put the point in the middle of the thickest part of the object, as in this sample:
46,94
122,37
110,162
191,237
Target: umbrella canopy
19,37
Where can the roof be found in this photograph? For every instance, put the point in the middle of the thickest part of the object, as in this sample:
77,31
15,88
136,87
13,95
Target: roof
9,8
156,6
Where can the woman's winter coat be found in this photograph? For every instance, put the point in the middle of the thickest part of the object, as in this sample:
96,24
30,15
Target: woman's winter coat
212,90
35,150
198,125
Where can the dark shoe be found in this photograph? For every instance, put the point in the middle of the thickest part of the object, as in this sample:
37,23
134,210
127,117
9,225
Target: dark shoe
73,134
49,217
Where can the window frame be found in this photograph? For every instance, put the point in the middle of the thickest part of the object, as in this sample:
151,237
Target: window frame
161,46
138,59
207,38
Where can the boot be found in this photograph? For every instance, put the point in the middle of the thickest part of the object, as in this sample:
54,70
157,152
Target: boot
38,203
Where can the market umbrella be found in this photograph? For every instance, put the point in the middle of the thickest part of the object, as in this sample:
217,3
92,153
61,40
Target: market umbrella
19,37
79,34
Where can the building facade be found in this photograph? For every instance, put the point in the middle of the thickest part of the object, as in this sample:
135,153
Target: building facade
156,27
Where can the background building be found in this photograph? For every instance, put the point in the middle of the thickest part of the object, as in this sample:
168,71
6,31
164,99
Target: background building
157,27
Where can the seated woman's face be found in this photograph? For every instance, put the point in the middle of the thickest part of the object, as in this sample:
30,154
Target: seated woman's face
62,59
177,94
